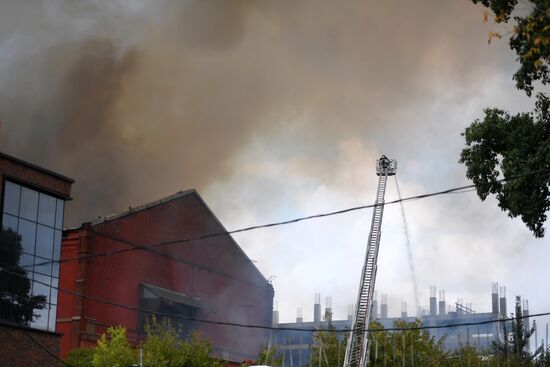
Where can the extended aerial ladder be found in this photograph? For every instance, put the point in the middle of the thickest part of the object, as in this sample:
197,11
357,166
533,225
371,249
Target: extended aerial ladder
357,348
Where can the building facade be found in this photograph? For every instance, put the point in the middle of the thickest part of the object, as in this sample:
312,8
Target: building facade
32,202
458,324
195,283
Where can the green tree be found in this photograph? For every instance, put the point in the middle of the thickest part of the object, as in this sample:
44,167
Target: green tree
81,357
413,346
543,359
514,348
269,355
163,347
197,351
465,356
328,346
504,146
113,349
511,146
530,38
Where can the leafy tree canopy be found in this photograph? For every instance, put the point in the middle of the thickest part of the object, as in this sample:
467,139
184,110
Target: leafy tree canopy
530,38
329,347
418,346
162,348
269,355
113,349
512,146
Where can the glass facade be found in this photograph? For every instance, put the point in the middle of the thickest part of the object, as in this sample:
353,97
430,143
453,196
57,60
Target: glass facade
30,240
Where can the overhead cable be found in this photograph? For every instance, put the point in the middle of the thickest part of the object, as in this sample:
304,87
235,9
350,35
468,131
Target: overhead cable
140,247
273,328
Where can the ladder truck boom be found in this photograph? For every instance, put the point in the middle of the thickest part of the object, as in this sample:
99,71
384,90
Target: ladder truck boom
357,349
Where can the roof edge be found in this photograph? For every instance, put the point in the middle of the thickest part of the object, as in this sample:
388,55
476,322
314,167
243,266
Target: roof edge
137,209
35,167
231,238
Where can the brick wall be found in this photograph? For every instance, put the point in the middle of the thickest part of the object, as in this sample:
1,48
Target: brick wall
35,176
17,348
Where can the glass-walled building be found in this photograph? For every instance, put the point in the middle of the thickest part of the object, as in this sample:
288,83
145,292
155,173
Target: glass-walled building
32,201
32,221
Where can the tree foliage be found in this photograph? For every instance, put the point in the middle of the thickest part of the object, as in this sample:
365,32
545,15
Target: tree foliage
519,144
81,357
507,146
113,349
329,347
269,354
418,346
514,348
162,347
530,38
543,359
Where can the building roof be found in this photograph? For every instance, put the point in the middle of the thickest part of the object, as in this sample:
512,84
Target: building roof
35,167
152,204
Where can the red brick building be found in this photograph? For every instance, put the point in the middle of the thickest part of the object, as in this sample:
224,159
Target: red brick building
32,202
210,279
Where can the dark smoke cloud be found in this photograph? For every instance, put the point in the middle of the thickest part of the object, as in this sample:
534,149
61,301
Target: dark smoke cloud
137,100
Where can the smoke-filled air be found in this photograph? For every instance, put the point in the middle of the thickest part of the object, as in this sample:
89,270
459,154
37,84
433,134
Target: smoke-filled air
273,110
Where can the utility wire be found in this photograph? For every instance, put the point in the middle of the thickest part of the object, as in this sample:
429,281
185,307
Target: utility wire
46,350
137,247
264,327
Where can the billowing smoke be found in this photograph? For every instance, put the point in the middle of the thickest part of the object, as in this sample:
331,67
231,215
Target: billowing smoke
139,99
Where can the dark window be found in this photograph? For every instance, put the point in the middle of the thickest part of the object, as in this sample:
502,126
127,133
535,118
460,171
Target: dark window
44,242
27,234
177,308
28,208
30,247
59,214
9,222
12,194
46,210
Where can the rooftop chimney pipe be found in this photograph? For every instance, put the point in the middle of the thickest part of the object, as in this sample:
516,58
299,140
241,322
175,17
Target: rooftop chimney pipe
384,306
317,308
494,299
374,311
433,302
503,310
328,308
442,306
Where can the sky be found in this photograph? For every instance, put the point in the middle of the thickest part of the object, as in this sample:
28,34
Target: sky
276,110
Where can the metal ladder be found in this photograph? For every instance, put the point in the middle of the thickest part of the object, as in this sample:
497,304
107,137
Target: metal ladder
357,351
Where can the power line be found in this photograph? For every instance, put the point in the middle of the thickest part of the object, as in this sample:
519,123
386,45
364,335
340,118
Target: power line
264,327
137,247
46,350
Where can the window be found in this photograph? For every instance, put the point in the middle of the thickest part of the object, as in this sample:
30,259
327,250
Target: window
30,243
164,303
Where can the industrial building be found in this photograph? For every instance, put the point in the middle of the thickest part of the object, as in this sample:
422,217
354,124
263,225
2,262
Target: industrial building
177,276
296,345
32,201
